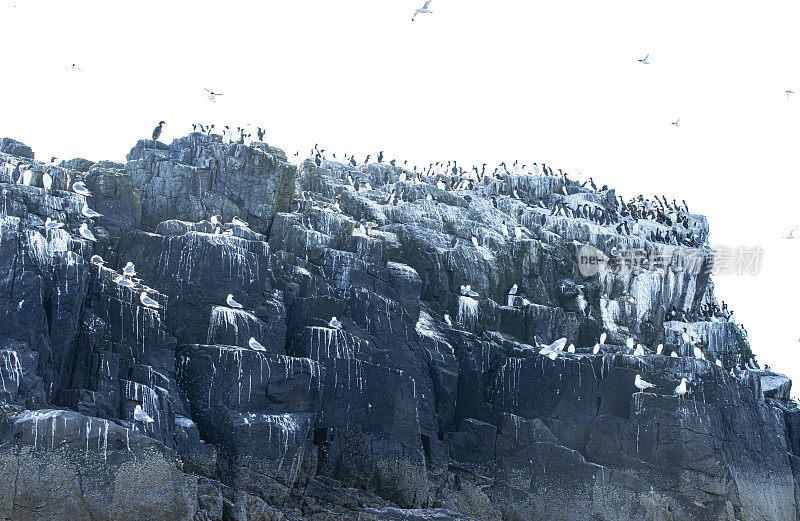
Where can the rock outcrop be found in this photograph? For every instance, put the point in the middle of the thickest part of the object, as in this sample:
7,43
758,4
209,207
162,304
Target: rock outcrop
417,402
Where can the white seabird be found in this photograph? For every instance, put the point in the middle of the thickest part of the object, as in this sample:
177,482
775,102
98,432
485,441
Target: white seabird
86,233
639,351
79,188
681,389
124,282
50,224
255,345
518,232
88,212
673,355
448,320
238,222
467,291
717,361
129,270
642,384
660,349
231,302
571,349
603,337
422,10
334,323
513,290
475,241
147,301
698,353
630,343
47,181
97,260
140,416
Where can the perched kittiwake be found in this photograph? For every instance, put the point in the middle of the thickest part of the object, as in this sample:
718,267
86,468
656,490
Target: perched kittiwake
673,355
660,349
231,302
641,384
88,212
129,270
238,222
334,323
79,188
596,349
124,282
681,389
698,353
719,364
85,232
467,291
140,416
639,351
97,260
255,345
571,349
630,343
215,220
50,224
147,301
448,320
441,184
47,181
513,290
614,252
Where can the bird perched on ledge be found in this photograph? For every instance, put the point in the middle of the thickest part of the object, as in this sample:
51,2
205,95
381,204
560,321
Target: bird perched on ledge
157,131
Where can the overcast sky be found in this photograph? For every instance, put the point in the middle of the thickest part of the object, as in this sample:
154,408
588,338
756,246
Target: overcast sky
536,81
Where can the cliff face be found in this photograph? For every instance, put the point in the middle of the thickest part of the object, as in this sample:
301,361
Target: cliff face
424,404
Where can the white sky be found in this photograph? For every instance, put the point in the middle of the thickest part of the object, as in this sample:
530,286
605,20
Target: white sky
537,81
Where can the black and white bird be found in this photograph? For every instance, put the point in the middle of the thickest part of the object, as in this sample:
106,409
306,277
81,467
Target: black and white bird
644,60
677,122
422,10
47,181
789,92
681,389
791,233
124,282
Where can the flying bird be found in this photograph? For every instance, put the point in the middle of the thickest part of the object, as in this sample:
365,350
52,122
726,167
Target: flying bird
644,60
47,181
789,92
791,233
422,10
677,122
213,95
74,67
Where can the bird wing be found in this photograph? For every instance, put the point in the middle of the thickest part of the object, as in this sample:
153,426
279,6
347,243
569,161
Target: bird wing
415,15
427,4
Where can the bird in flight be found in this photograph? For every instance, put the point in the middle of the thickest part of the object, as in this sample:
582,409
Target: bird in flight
791,233
789,92
422,10
677,122
213,95
644,60
74,67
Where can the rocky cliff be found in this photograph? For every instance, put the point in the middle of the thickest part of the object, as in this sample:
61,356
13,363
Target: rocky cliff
420,401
